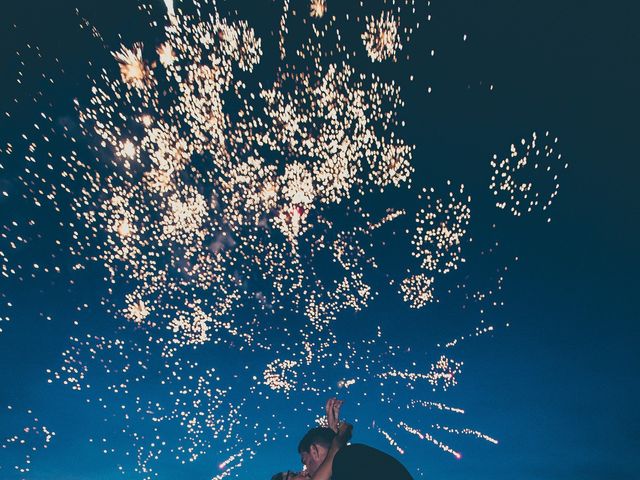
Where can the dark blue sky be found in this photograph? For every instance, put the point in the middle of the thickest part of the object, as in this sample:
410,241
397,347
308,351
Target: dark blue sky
559,387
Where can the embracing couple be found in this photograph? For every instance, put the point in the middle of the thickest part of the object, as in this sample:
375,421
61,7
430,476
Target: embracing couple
327,455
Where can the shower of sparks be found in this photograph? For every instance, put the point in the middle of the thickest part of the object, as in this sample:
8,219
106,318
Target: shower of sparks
194,243
226,214
527,179
318,8
442,226
443,374
436,405
391,441
170,8
133,69
382,38
283,28
234,462
17,446
275,375
478,331
417,290
429,438
167,57
215,230
467,431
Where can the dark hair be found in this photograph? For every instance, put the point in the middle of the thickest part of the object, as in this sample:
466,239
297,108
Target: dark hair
319,435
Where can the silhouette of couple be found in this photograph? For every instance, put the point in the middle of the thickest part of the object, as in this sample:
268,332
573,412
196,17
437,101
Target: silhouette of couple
327,455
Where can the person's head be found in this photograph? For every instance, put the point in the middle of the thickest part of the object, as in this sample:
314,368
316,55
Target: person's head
314,446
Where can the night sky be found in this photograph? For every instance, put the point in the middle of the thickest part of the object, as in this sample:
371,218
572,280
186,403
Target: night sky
557,387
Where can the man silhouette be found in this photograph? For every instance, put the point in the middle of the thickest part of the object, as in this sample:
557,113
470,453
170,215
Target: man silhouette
348,462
